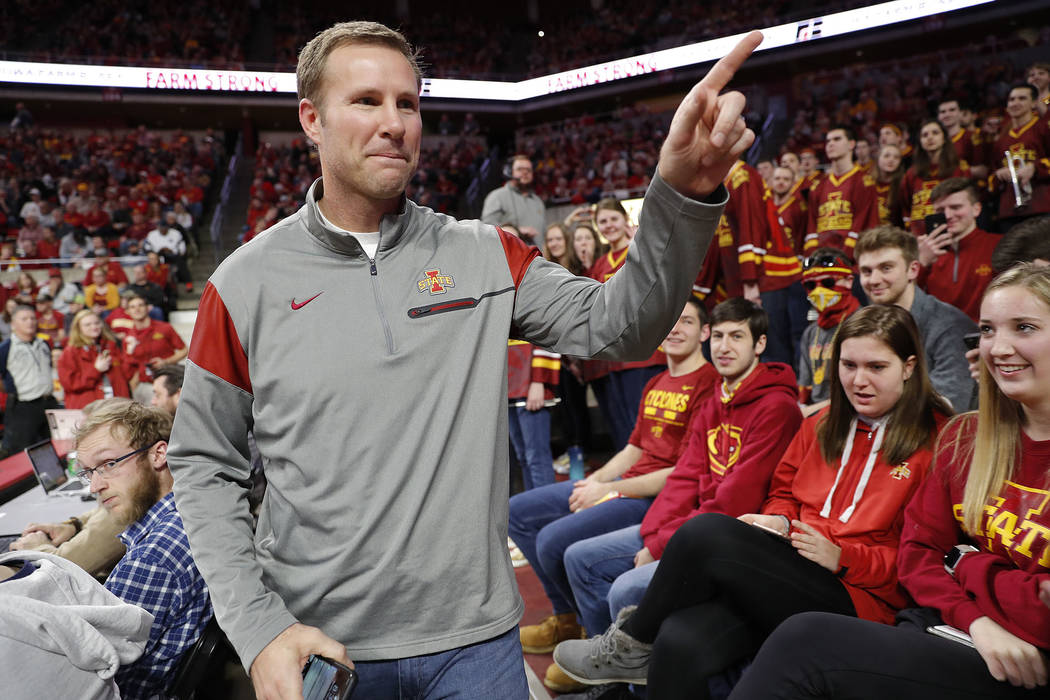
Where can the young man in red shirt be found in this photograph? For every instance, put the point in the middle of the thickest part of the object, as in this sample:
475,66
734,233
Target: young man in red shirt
150,345
844,202
1027,139
956,257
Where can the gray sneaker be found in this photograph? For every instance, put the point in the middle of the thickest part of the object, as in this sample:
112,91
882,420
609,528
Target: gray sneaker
613,657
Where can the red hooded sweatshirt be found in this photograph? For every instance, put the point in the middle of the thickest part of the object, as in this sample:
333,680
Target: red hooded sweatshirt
733,445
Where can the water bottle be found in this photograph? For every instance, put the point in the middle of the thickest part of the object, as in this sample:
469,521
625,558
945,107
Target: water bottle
575,463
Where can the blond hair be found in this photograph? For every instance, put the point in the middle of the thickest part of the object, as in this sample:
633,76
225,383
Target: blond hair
996,445
77,339
309,73
141,425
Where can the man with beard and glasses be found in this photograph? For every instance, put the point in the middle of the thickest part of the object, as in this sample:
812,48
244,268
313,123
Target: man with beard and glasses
122,452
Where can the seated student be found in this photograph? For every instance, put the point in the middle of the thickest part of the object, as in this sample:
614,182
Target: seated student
546,520
888,261
975,545
735,440
121,451
167,387
834,509
62,635
827,277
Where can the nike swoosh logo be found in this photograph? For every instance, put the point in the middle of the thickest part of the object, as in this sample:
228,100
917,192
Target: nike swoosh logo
296,307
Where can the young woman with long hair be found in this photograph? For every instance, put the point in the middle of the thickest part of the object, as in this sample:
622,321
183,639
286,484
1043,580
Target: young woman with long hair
975,548
558,248
826,538
888,173
935,161
587,246
92,366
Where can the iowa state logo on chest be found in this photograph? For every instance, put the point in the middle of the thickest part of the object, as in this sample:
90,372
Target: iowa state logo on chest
723,447
435,282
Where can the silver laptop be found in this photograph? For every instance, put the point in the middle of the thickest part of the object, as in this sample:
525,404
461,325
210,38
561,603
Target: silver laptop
51,473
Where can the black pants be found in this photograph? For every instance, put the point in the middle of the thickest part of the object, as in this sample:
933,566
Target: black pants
721,588
25,422
576,420
817,655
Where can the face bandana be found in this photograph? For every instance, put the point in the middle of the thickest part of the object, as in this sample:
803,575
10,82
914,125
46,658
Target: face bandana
823,298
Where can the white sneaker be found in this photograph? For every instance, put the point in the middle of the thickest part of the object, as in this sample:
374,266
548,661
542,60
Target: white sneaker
561,464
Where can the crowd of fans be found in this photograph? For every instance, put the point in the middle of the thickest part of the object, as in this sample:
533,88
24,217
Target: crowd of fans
218,35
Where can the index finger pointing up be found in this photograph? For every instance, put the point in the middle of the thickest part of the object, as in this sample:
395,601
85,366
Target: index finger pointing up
722,72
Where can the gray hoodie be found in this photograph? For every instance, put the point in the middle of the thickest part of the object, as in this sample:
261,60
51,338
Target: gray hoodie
62,634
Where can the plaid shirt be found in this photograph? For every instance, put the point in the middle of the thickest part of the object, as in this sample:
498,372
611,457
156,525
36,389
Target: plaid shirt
158,574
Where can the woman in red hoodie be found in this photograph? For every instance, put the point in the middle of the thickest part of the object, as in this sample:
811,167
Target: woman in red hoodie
92,366
826,539
975,549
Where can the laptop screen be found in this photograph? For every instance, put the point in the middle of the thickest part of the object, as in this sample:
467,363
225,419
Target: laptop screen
47,466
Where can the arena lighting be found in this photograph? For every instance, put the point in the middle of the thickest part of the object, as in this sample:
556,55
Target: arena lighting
202,80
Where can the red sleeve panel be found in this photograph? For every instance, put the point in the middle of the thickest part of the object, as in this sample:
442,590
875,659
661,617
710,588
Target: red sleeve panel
519,255
215,346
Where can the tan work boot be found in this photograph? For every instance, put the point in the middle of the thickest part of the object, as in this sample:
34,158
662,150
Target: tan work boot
560,682
542,638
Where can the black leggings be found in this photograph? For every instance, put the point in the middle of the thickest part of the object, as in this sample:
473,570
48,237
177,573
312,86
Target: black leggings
817,655
721,588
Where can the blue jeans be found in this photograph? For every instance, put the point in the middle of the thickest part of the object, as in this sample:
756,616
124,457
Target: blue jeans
629,588
489,669
592,565
787,309
543,527
530,436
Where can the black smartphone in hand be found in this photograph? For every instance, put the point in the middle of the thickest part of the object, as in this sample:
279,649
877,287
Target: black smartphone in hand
324,679
935,220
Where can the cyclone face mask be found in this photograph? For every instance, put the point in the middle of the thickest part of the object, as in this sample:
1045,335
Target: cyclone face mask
823,298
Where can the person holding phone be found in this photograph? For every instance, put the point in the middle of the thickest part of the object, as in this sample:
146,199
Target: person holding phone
956,256
93,366
975,546
838,494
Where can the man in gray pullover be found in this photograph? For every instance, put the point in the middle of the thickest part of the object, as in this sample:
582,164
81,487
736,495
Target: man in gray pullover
364,342
888,260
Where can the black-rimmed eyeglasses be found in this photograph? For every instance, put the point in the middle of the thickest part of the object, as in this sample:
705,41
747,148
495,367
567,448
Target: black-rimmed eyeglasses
110,465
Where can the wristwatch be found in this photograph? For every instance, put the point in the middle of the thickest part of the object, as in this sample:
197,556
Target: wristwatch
955,555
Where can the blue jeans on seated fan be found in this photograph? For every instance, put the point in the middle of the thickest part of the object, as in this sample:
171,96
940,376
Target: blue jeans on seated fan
489,669
593,564
530,436
543,527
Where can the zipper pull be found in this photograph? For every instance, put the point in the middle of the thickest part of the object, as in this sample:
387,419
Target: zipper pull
372,266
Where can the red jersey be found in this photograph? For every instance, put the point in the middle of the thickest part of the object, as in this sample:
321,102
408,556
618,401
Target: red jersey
114,273
602,270
840,208
734,442
159,275
915,195
743,230
527,363
780,263
50,324
47,249
157,339
871,535
968,146
960,275
1001,580
1032,143
664,415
